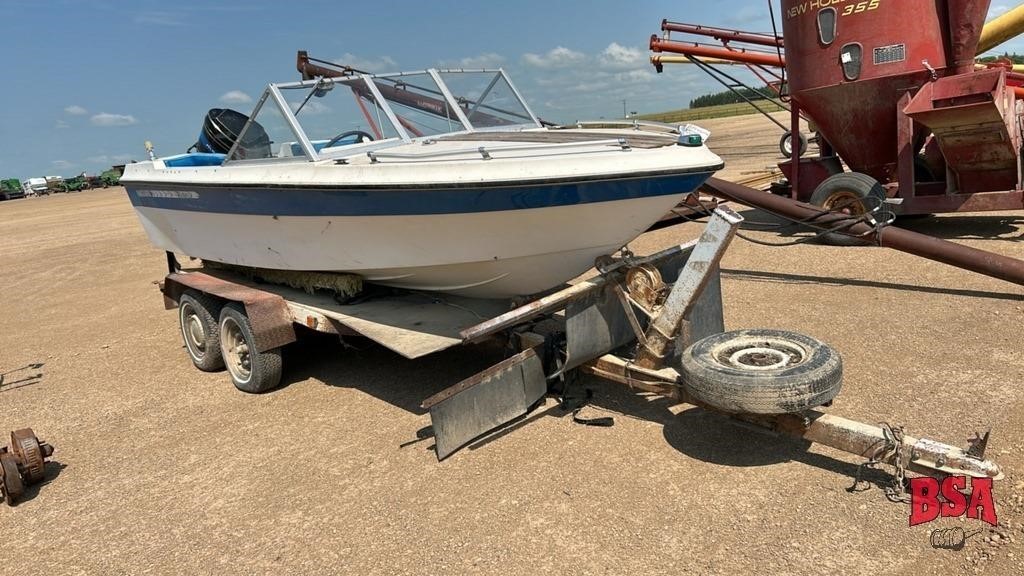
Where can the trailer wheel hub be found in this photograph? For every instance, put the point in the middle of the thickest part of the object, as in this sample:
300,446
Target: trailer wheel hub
29,452
763,355
845,202
22,464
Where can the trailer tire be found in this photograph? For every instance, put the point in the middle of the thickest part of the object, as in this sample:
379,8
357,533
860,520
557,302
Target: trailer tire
197,317
852,193
251,371
786,144
762,371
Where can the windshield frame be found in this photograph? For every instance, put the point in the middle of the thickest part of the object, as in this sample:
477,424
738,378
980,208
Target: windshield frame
274,94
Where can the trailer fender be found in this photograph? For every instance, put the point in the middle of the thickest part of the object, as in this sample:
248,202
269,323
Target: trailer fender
267,312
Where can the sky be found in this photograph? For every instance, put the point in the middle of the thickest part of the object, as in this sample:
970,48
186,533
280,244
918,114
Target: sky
88,82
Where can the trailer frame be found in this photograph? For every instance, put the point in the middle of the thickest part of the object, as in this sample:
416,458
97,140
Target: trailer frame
627,324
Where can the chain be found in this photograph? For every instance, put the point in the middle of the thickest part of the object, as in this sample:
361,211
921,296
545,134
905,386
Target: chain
892,448
897,492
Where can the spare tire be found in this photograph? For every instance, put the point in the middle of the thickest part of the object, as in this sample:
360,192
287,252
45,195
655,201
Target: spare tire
762,371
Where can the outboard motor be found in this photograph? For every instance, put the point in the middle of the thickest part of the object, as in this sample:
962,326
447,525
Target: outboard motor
221,129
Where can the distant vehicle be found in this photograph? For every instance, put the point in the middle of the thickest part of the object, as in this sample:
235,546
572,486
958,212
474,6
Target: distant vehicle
10,189
36,186
112,177
55,184
77,183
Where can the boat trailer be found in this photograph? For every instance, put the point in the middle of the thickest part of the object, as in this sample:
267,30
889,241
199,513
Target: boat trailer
653,323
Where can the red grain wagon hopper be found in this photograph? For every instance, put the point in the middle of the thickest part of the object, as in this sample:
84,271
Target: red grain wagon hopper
895,94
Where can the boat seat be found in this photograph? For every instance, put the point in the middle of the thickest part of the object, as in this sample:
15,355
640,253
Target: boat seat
193,159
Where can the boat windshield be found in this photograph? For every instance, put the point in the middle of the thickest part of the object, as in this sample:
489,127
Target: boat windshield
303,119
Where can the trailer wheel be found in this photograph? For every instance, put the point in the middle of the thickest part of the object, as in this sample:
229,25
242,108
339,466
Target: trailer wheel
850,193
197,316
251,371
762,371
786,144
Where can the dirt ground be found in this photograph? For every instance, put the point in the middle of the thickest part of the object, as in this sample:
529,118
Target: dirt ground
162,469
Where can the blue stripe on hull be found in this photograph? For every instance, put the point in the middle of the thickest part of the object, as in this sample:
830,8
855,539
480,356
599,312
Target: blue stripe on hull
299,201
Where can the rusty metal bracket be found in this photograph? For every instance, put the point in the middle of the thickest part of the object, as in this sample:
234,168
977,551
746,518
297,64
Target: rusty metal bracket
703,261
22,464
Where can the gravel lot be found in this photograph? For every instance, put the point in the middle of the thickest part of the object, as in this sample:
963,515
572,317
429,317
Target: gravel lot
166,470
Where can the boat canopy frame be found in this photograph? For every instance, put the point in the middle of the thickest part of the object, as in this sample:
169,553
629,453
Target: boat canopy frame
273,92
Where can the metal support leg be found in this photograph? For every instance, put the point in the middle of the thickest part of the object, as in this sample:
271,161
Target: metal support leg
905,149
692,279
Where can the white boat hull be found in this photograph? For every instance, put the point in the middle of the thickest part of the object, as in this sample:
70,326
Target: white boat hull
424,215
486,254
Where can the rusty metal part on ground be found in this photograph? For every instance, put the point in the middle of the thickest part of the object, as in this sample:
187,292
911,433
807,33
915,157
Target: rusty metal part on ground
22,464
958,255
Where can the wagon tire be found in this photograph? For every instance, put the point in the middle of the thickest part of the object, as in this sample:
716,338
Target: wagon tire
852,193
251,371
762,371
197,317
786,144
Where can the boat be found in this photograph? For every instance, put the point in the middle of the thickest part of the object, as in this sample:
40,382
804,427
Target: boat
436,180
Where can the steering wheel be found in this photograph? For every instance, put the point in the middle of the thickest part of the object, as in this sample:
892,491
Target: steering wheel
363,137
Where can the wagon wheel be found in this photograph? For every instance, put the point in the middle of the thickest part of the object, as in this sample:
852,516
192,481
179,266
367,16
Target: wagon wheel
762,371
251,370
786,144
849,193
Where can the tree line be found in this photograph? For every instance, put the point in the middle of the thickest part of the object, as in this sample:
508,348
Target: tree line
1015,58
727,97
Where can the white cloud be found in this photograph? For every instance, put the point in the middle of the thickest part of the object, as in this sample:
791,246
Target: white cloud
637,75
558,57
586,92
619,56
485,60
75,110
235,97
312,108
61,164
62,125
107,119
997,10
371,64
110,158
